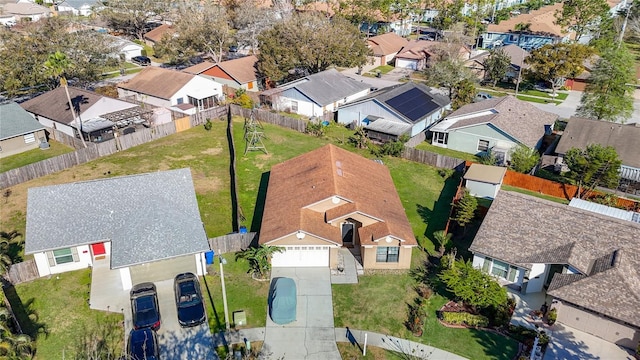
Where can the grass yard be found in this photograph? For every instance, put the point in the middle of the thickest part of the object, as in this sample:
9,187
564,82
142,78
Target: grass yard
383,69
538,100
447,152
239,297
353,352
33,156
60,305
560,95
385,312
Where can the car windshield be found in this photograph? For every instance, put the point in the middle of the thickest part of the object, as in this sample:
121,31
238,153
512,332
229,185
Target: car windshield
188,294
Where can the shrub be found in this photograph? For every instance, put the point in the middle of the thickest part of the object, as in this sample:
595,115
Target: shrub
315,128
424,291
446,173
417,317
459,318
552,316
500,315
208,124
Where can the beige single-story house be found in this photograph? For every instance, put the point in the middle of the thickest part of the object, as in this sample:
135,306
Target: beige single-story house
146,226
19,131
330,198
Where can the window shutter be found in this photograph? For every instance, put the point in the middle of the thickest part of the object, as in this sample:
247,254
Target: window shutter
74,254
52,261
486,264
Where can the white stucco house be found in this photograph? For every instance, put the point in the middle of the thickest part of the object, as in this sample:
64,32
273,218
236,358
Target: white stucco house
166,88
146,227
315,95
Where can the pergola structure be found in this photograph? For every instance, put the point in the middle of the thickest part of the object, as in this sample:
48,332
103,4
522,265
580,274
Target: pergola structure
131,113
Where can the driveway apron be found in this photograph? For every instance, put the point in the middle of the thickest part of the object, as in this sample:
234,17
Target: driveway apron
311,336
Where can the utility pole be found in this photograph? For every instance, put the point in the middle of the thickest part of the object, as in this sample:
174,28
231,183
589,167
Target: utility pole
624,25
518,79
224,291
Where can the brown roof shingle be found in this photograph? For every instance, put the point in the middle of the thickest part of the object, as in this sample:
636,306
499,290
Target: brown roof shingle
158,82
386,44
156,34
320,175
522,230
243,70
542,22
198,69
55,106
581,132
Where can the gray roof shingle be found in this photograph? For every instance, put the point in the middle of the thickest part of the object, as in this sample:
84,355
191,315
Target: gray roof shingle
581,132
521,230
15,121
147,217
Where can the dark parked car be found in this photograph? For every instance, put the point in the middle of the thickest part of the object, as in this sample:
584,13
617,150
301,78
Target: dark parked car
141,60
143,345
144,305
189,300
481,96
283,302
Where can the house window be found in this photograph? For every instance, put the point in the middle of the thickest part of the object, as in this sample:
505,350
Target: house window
179,100
29,138
203,104
500,269
294,106
440,138
63,256
489,36
483,145
513,38
486,265
250,85
387,254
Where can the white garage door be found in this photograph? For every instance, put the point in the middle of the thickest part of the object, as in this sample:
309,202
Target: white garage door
301,256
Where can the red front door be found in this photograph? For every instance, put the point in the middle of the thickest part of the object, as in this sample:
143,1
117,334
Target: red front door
98,249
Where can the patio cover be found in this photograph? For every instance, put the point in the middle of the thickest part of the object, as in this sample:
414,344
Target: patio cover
147,217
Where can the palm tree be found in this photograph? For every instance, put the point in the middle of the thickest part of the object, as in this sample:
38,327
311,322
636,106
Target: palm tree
57,65
521,28
443,239
259,259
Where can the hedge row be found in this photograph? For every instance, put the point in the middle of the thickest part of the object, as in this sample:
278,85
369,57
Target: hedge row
458,318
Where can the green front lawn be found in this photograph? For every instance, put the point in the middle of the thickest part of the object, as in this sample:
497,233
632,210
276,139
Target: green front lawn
379,303
447,152
60,305
383,69
538,100
560,95
33,156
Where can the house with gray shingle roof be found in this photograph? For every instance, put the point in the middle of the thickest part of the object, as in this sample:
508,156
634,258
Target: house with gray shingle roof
138,224
315,95
589,262
496,125
19,131
387,114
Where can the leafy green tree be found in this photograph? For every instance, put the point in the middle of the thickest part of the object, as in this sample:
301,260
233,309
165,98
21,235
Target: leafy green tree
594,166
555,62
523,159
448,73
465,209
449,13
443,239
131,16
463,93
307,43
496,65
359,139
609,93
259,259
581,15
472,286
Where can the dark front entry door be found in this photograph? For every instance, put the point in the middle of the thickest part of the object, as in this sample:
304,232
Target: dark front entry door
347,234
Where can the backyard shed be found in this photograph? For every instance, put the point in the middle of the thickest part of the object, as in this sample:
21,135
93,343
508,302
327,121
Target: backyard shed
484,181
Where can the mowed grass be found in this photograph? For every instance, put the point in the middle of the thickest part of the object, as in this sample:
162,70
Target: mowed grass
386,298
33,156
447,152
61,305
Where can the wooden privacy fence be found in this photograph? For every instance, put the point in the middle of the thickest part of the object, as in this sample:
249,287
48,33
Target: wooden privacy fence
433,159
23,272
231,242
270,117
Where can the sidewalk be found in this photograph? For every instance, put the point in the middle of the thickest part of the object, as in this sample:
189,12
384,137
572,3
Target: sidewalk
356,337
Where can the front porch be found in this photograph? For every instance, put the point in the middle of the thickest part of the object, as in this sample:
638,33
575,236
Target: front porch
526,304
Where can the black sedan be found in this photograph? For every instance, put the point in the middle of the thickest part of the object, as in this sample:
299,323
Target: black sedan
189,300
143,345
144,304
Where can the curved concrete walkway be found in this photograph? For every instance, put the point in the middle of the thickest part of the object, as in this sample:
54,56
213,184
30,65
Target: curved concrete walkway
356,337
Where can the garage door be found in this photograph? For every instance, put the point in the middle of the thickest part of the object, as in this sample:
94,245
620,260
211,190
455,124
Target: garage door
302,256
163,269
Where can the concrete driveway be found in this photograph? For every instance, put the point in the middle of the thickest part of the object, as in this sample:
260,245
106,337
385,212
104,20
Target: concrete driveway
569,343
177,342
312,335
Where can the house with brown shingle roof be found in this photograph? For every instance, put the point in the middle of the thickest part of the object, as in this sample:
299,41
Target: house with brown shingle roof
156,34
514,52
496,125
589,262
328,199
416,53
168,88
240,73
385,47
542,30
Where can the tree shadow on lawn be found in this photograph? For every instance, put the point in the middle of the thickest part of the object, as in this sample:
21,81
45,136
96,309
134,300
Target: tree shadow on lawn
436,218
26,316
496,346
260,200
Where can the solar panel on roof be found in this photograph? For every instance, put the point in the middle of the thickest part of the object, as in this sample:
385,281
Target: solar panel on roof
414,104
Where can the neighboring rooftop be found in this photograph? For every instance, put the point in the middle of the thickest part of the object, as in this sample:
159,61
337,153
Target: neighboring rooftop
362,184
518,118
523,230
15,121
242,70
581,132
25,9
515,53
542,22
156,34
386,44
158,82
485,173
147,217
54,104
605,210
323,88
